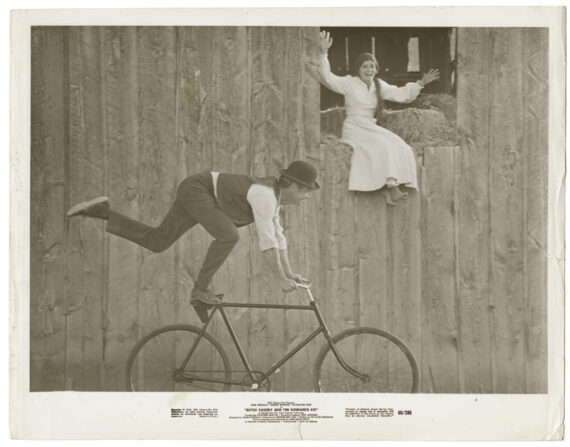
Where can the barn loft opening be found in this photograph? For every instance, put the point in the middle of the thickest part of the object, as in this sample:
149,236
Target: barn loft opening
403,54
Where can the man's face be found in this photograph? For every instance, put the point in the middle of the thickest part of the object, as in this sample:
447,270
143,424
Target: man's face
295,194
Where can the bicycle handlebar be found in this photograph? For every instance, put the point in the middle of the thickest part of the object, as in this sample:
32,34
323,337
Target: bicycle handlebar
307,288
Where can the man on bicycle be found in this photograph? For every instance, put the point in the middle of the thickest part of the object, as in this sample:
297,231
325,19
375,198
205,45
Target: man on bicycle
220,202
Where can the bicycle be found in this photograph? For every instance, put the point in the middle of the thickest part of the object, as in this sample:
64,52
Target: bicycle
187,358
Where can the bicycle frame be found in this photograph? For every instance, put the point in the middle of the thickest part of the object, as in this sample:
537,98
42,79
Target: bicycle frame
250,372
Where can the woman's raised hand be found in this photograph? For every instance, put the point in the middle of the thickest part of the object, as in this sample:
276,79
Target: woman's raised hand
430,76
325,41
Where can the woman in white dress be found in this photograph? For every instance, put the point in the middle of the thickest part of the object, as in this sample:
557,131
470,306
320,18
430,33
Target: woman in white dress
380,158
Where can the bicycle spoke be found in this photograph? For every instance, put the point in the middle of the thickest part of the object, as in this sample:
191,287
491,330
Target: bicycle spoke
151,376
155,358
155,362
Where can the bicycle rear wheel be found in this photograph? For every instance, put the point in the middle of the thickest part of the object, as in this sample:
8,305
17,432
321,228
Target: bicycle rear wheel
389,365
154,364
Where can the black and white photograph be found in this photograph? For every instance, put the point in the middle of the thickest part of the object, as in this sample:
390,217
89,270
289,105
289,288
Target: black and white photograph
358,213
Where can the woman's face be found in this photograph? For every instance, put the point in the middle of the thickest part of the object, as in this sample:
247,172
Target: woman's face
367,71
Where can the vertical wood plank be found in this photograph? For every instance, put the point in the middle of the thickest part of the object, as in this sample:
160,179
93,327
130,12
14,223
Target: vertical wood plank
371,226
405,270
76,256
327,249
87,179
121,316
341,257
47,226
336,160
507,213
156,182
439,322
473,93
535,125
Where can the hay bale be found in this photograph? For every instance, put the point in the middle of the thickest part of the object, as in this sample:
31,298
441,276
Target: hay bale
421,128
442,102
417,127
447,104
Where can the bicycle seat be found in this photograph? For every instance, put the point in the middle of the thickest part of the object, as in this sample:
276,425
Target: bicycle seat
202,308
202,311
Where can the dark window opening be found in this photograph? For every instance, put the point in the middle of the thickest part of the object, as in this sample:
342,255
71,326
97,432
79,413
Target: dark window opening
403,55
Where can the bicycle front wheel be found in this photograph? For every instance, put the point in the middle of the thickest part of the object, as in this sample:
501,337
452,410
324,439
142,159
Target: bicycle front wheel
386,362
156,363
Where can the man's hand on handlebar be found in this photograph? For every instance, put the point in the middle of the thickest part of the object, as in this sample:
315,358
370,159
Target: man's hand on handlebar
298,278
292,282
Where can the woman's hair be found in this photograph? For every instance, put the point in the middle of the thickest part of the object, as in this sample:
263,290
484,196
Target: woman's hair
360,59
355,69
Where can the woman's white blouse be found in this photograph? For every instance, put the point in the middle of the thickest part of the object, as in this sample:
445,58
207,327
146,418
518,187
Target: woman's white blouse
361,100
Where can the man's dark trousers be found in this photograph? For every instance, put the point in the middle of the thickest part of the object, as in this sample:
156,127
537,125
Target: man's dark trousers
195,203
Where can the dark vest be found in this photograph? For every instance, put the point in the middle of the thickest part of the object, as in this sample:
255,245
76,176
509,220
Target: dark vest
232,195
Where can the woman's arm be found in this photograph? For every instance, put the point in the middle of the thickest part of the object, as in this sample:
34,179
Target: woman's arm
333,82
404,94
408,92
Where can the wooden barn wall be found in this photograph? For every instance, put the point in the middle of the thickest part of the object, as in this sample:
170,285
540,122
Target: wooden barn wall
457,270
129,112
502,117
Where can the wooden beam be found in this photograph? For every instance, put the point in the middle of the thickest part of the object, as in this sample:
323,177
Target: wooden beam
474,316
439,314
49,151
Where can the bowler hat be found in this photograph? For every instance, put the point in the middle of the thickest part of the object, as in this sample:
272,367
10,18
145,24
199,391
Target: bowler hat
302,172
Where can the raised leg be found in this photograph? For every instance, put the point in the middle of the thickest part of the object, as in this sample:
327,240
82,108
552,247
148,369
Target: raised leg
157,239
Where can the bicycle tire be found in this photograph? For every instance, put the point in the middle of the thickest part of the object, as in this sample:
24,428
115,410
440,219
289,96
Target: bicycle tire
152,361
383,357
